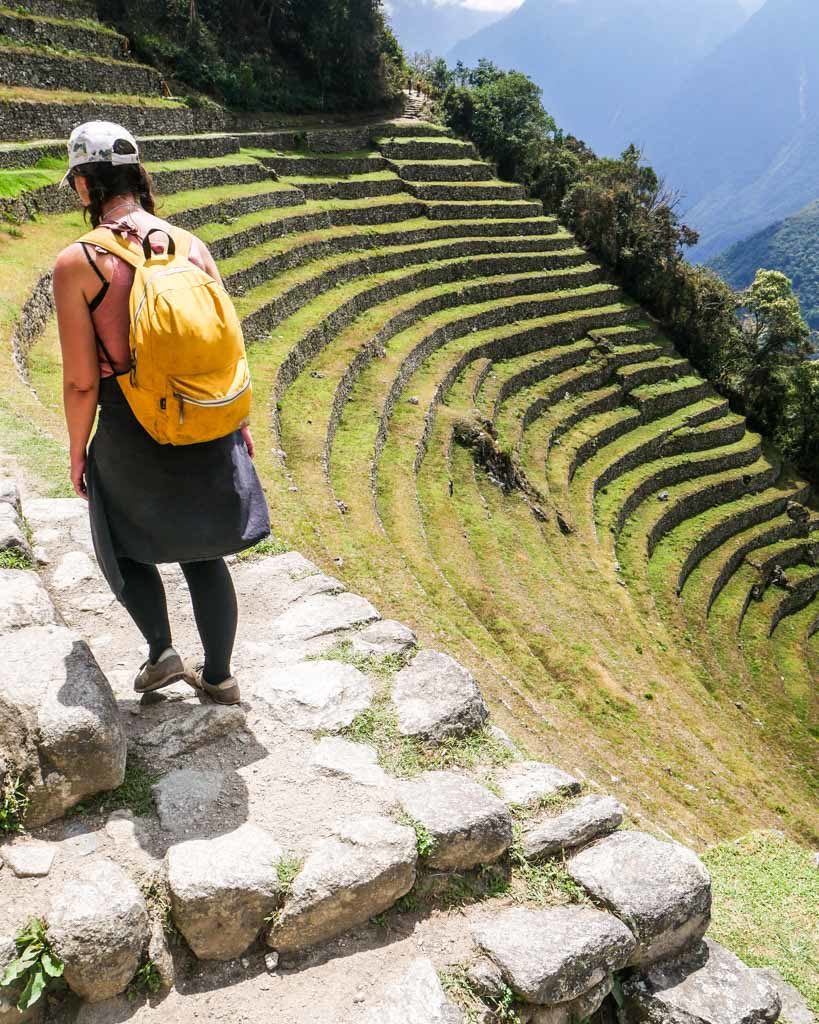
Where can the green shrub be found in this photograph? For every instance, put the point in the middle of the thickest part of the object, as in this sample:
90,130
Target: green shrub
35,966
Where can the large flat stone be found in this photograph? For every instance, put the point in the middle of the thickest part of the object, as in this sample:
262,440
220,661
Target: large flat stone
320,615
348,879
590,818
313,695
74,568
355,762
706,985
436,697
555,955
274,584
661,890
98,924
384,637
223,889
525,783
185,798
24,601
28,860
191,728
59,721
467,824
416,998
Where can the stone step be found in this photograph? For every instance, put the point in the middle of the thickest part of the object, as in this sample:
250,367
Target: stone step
45,32
69,10
152,149
660,399
659,369
323,166
341,139
442,170
467,192
480,210
41,69
406,128
354,188
227,210
25,118
427,149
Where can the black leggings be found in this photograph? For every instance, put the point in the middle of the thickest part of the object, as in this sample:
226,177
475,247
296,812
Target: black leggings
214,608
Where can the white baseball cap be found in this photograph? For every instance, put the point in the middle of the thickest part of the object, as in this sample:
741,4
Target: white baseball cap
100,142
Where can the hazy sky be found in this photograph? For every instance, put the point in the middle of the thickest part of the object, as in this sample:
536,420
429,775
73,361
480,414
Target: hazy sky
510,5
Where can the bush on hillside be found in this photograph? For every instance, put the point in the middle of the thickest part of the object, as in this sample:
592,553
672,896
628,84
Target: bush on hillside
281,55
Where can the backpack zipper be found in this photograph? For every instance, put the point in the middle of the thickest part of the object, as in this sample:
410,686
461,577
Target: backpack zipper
207,403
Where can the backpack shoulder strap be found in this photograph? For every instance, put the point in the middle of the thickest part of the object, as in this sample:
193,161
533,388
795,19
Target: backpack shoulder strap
184,242
116,244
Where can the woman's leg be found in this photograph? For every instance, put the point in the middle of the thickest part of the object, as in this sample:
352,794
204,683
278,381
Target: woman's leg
216,614
144,599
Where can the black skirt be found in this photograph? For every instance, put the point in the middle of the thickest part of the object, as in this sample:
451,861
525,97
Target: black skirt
156,503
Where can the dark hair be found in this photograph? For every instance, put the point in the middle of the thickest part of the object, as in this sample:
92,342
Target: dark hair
108,180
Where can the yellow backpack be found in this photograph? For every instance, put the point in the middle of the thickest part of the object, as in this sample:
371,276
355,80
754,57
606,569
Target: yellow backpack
189,379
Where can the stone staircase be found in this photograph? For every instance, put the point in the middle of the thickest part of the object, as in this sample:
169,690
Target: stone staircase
273,825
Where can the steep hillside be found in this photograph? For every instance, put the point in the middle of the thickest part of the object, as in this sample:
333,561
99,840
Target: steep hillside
792,246
636,54
749,159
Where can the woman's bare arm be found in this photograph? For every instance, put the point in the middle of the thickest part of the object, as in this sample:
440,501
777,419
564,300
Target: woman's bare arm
81,374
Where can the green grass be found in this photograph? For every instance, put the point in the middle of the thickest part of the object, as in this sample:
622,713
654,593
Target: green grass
766,906
14,802
134,794
27,94
405,756
15,183
11,559
267,548
287,867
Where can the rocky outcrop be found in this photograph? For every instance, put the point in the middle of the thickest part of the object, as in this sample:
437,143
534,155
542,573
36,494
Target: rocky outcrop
59,724
435,697
661,890
347,879
98,924
556,955
223,889
466,824
708,984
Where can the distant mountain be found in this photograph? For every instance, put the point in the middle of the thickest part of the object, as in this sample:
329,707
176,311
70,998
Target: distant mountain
603,65
422,25
740,138
792,246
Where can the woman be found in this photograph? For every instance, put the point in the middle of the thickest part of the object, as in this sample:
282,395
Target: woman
149,503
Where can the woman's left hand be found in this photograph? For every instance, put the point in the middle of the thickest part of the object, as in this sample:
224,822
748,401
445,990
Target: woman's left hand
251,447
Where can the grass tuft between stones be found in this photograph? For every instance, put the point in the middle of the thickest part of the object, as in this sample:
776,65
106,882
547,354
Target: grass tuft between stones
146,981
266,548
458,986
11,559
406,756
14,802
134,794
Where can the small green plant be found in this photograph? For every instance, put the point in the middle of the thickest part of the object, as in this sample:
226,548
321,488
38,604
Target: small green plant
545,883
14,802
371,664
424,842
36,964
146,980
158,901
458,986
286,870
264,549
11,559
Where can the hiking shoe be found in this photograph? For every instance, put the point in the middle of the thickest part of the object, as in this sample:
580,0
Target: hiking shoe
167,669
226,692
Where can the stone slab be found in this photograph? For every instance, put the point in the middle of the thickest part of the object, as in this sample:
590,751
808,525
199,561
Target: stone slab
436,697
315,695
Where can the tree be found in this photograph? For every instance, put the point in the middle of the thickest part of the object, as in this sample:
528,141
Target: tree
773,342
